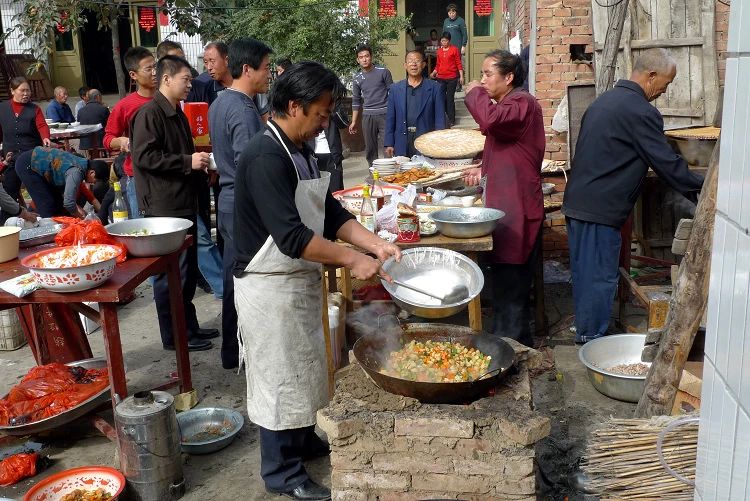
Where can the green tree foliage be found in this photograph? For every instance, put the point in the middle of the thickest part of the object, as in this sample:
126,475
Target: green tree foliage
321,30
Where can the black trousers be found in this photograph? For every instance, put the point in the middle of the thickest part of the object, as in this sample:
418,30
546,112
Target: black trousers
281,456
189,276
511,298
48,200
449,91
11,181
326,163
229,345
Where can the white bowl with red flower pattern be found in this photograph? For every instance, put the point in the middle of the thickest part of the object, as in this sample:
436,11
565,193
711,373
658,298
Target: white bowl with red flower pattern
351,198
74,268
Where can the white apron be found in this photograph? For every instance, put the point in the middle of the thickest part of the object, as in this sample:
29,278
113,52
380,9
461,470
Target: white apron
279,309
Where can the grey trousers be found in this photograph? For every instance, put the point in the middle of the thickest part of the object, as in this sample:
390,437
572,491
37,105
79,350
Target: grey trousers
373,128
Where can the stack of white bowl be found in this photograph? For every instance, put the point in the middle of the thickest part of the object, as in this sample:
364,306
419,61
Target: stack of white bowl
385,166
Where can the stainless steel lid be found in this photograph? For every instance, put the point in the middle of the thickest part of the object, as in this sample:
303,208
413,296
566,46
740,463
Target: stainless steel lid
144,403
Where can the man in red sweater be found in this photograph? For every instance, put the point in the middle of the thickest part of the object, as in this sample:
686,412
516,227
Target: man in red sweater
141,67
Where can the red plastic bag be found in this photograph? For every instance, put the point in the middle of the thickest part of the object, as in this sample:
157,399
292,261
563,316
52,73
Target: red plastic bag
80,231
17,467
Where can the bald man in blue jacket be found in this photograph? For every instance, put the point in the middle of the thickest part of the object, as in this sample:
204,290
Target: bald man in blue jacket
415,106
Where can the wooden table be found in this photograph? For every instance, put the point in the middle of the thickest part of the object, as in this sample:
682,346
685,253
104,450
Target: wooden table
126,278
470,247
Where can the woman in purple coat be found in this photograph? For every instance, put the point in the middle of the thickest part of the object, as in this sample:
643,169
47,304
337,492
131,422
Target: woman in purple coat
511,119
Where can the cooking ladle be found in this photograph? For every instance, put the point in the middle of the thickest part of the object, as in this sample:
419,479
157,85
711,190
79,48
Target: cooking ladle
457,294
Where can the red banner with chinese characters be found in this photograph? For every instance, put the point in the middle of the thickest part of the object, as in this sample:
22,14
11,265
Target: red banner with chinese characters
147,18
483,7
364,8
386,8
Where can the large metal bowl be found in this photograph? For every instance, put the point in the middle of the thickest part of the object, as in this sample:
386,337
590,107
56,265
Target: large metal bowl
226,422
469,222
436,270
81,409
609,351
165,235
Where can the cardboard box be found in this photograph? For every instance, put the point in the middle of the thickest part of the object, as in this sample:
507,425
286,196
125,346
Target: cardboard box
688,398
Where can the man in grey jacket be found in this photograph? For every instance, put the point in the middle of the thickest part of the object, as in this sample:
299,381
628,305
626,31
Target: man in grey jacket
233,119
370,98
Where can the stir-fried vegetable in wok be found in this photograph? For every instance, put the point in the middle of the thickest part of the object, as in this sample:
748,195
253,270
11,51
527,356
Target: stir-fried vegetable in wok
437,362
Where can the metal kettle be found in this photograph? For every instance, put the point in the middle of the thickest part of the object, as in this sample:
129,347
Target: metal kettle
149,443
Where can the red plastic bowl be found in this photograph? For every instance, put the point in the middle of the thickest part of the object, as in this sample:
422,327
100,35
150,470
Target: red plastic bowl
56,486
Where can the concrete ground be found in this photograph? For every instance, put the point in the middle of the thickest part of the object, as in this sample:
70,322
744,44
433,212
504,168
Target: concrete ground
563,393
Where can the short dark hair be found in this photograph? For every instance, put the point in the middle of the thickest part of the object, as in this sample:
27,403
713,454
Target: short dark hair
134,56
451,6
433,31
446,35
16,82
82,91
170,65
221,48
165,46
306,82
101,169
284,62
415,51
363,47
246,51
505,62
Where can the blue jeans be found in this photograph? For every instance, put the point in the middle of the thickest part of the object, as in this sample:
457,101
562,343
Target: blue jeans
133,212
209,260
594,258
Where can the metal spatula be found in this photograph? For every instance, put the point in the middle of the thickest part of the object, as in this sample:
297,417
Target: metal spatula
457,294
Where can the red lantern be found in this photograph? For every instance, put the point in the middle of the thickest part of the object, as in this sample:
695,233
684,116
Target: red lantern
146,18
483,8
63,17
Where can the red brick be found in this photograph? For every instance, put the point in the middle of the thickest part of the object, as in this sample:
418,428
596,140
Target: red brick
543,49
562,12
548,4
581,30
572,21
543,68
559,156
579,12
551,22
547,59
562,31
561,49
542,13
578,39
544,32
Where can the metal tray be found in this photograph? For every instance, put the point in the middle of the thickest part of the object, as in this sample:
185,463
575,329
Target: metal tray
38,236
71,414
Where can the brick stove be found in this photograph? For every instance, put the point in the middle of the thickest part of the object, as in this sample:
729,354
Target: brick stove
388,447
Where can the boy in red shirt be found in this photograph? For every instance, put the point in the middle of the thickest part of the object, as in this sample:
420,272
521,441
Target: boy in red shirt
141,67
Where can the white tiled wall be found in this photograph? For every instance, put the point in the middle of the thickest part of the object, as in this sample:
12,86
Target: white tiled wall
723,464
192,45
13,44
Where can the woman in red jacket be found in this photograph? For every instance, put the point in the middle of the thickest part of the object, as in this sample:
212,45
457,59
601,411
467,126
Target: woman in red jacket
22,128
511,119
449,72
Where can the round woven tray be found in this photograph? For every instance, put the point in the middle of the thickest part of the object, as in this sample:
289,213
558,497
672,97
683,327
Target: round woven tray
705,133
450,143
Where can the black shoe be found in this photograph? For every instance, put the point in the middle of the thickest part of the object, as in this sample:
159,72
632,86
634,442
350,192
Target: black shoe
206,334
193,345
307,491
204,285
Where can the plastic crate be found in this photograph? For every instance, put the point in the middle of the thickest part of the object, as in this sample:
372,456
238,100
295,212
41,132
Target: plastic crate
11,334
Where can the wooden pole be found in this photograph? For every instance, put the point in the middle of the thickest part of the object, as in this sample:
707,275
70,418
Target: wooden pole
686,306
618,10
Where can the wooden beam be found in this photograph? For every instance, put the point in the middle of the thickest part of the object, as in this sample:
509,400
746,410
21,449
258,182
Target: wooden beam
659,43
686,307
681,112
606,76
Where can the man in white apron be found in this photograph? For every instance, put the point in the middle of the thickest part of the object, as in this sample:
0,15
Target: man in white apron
285,219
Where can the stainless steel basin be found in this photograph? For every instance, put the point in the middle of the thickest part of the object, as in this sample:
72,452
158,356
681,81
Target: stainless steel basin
608,351
164,235
467,222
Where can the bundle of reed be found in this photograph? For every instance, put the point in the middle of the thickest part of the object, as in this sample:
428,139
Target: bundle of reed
622,463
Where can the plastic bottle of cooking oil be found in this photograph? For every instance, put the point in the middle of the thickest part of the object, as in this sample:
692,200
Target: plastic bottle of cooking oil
378,194
366,213
119,208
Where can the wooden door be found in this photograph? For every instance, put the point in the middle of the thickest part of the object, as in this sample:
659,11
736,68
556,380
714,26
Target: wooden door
686,29
66,61
485,34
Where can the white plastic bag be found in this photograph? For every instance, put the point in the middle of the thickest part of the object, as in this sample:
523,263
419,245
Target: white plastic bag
560,120
386,217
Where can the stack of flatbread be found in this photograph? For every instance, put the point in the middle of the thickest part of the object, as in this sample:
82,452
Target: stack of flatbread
450,143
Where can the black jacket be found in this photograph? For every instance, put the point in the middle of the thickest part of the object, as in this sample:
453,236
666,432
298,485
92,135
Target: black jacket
162,148
622,135
91,114
339,120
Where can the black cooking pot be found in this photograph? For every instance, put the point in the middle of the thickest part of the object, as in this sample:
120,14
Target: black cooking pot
372,353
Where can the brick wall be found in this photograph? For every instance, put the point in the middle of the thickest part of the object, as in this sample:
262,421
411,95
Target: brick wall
561,24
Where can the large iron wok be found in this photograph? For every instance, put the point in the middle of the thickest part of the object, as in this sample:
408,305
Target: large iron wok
372,353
